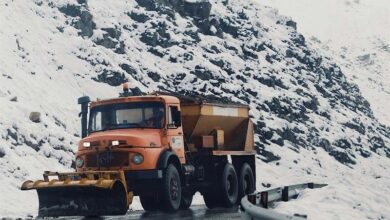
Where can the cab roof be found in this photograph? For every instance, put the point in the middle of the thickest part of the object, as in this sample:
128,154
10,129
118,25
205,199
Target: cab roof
171,98
156,98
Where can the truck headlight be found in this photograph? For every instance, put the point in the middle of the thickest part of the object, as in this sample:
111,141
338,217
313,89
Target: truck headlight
79,162
115,143
86,144
138,159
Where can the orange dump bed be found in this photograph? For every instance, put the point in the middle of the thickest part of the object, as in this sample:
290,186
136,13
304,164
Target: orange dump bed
228,124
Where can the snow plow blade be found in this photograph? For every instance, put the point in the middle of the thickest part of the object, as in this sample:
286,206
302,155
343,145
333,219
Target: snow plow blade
92,193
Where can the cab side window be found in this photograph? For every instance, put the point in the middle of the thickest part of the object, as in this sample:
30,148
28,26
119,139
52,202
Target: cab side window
174,117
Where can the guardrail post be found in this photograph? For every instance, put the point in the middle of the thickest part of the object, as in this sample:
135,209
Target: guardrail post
285,194
252,198
264,199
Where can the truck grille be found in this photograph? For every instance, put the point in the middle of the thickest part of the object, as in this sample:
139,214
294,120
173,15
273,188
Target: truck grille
108,159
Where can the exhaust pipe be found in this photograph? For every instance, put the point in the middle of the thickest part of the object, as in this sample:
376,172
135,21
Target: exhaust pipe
84,101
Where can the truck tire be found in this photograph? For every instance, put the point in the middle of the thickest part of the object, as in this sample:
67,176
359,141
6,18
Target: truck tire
211,199
246,181
171,189
150,202
186,200
229,186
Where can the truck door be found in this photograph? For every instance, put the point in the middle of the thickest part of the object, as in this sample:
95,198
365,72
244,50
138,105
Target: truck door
175,132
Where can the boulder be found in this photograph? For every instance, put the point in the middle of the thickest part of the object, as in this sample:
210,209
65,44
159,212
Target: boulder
35,117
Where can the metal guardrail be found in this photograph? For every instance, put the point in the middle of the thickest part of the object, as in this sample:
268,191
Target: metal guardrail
254,206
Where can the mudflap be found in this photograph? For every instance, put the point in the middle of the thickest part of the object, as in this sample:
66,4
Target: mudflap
82,201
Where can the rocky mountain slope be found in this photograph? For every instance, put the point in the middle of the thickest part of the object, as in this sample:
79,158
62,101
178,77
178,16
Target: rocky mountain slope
354,34
312,123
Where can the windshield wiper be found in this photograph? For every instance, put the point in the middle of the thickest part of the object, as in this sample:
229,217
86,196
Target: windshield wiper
121,126
107,128
133,125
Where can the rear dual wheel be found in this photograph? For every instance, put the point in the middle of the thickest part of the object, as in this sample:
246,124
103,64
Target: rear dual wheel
246,181
229,186
226,192
211,199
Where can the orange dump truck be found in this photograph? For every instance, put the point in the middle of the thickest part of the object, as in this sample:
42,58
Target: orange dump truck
160,147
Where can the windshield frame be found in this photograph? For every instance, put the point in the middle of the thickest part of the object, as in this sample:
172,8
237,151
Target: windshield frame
119,106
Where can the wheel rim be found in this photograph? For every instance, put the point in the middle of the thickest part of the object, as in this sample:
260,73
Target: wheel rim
174,189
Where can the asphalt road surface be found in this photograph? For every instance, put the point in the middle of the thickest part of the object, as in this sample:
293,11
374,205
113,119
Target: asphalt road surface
195,212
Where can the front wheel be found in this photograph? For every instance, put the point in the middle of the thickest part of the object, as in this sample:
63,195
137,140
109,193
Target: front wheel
171,189
186,200
150,202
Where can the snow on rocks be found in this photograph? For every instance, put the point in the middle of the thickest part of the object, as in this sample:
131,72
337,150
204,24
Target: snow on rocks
359,44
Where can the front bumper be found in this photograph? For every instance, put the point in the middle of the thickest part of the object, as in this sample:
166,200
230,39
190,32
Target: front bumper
144,181
144,174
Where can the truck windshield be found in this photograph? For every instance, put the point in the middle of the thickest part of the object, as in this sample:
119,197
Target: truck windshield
127,115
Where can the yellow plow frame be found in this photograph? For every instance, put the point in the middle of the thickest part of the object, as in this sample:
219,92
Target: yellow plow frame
89,193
